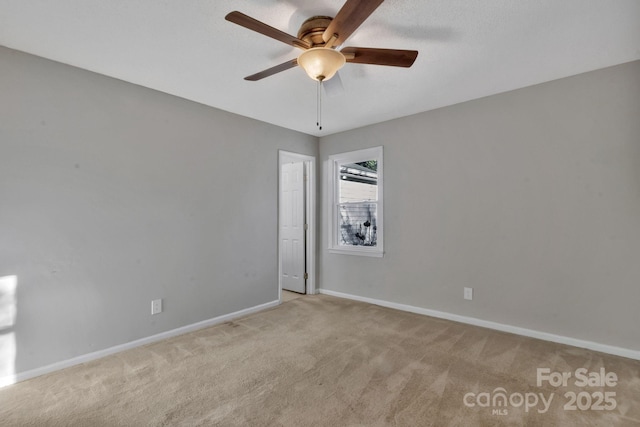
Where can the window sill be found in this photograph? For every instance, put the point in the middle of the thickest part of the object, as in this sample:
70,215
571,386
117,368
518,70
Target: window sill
376,253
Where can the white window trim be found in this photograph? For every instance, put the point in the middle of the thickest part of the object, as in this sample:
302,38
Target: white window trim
353,157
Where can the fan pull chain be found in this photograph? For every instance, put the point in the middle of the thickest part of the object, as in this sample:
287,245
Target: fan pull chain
319,106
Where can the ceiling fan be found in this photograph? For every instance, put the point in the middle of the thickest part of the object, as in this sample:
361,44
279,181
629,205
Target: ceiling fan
319,36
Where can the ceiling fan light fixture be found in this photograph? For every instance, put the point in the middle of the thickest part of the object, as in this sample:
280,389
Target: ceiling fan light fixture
321,63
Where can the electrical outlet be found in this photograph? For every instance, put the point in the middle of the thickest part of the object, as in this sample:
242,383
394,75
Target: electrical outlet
156,306
468,293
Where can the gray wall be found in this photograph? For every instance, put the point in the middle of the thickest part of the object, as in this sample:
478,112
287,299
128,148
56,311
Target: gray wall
112,195
531,197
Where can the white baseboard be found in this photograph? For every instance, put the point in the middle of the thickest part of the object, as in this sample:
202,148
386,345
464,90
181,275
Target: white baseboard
21,376
618,351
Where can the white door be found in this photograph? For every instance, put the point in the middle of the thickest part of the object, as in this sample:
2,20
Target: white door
292,242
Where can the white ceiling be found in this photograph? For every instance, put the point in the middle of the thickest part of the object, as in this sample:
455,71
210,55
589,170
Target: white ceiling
468,49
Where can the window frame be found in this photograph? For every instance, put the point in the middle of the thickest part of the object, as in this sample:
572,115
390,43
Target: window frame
374,153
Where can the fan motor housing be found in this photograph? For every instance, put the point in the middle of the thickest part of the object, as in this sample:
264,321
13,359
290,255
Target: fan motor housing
312,29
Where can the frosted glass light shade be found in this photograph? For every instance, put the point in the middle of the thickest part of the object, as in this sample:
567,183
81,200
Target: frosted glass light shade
321,63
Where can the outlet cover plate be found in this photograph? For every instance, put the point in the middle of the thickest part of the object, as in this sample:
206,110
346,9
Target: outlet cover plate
468,293
156,306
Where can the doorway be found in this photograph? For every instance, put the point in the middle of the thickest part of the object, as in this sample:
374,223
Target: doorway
296,223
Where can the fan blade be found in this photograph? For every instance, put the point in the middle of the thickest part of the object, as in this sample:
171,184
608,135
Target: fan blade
349,18
262,28
392,57
273,70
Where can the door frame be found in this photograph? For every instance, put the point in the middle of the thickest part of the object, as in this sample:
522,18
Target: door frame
310,213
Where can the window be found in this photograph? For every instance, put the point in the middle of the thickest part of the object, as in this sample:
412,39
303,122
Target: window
355,203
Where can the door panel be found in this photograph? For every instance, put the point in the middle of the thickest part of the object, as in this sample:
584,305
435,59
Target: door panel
292,243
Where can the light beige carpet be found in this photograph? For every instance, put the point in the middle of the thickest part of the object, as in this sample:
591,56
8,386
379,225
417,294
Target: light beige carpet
323,361
288,295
